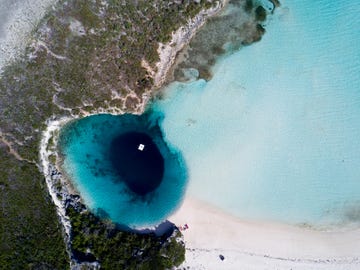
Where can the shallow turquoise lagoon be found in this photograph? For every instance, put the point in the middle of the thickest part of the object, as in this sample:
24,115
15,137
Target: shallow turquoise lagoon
275,135
94,164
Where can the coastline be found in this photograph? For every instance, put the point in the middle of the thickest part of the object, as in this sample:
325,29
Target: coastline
253,245
260,245
60,189
49,170
180,38
53,177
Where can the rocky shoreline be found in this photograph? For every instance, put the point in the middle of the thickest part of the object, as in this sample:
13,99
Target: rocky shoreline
168,52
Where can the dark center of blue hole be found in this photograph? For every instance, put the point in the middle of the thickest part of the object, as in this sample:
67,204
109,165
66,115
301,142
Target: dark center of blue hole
138,161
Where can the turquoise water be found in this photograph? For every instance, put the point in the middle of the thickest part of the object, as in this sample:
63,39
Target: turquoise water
88,149
275,134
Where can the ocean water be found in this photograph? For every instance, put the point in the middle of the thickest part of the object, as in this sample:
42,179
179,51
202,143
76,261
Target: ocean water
275,134
123,167
138,162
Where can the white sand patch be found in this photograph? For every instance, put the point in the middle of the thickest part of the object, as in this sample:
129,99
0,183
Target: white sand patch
256,245
77,28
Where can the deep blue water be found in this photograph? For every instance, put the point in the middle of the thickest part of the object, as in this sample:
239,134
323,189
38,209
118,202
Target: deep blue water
137,161
133,185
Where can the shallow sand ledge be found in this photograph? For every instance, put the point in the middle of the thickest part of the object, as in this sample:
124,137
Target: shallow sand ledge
260,245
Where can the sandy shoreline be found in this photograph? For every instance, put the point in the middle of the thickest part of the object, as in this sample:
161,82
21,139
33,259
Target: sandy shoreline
255,245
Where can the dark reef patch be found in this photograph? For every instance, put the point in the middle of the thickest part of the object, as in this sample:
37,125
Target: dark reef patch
138,161
240,24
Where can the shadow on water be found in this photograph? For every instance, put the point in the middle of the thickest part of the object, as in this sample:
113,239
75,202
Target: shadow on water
164,229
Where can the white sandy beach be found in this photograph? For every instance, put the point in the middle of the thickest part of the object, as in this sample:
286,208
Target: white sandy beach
255,245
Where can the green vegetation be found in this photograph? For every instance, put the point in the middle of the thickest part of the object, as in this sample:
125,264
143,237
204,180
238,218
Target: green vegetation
242,25
114,249
30,234
83,52
249,5
260,14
